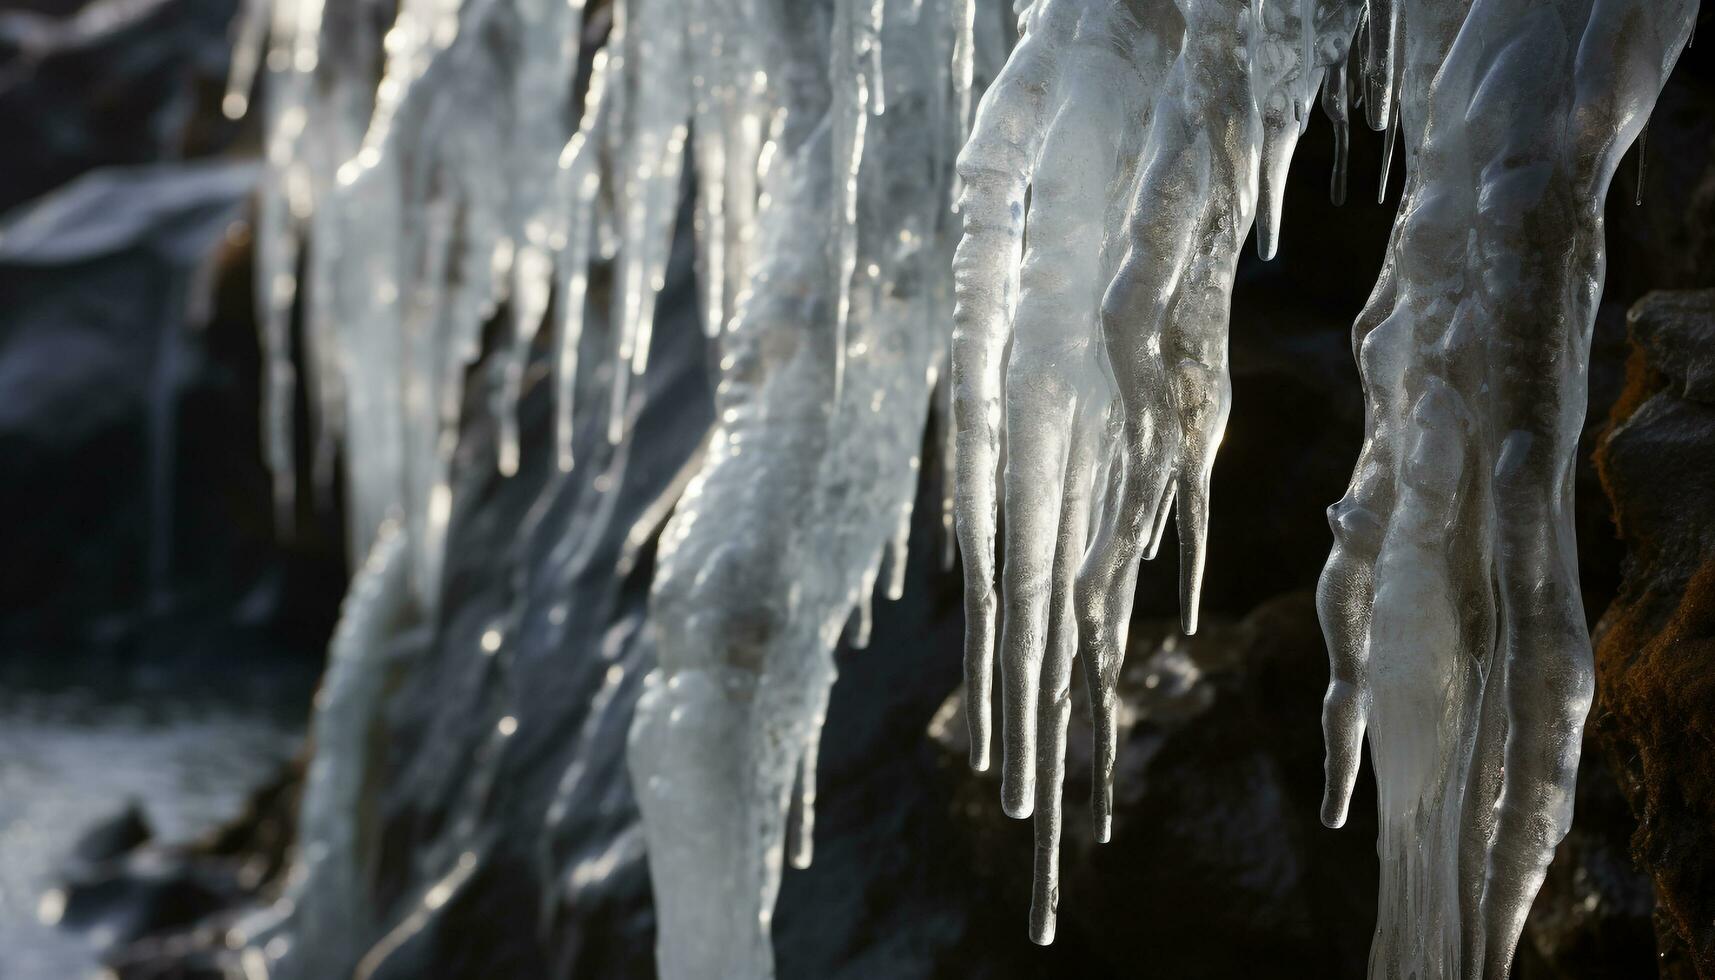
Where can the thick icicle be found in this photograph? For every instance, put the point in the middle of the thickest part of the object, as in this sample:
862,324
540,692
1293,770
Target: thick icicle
1450,601
995,171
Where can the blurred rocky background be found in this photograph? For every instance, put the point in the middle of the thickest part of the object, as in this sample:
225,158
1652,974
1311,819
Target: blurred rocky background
160,632
160,637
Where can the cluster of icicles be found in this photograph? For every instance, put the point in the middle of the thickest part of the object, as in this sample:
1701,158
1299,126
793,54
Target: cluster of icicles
1116,166
1113,172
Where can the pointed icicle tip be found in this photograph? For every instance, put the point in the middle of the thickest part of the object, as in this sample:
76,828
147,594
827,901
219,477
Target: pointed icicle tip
1643,163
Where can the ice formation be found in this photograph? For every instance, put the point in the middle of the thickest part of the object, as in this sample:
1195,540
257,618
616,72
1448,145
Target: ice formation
1113,173
466,189
1148,137
1450,601
806,489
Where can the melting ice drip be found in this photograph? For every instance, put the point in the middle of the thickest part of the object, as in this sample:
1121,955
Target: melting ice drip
1450,601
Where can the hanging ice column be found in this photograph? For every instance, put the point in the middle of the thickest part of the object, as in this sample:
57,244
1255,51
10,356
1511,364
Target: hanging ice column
781,535
1145,138
1450,602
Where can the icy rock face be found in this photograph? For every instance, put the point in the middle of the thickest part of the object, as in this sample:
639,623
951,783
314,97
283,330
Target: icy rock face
458,193
1115,171
1096,349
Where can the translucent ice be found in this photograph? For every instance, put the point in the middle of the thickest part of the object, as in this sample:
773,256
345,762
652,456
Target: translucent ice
1113,174
1450,602
1136,142
466,190
804,497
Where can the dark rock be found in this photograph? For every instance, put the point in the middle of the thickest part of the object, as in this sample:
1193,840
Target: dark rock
1656,655
148,893
165,912
1218,860
93,83
117,889
113,837
129,434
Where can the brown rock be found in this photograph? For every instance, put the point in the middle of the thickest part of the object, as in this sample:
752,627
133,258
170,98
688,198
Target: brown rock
1655,655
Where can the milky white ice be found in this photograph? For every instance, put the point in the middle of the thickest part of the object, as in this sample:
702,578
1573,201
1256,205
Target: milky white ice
1112,175
1450,602
806,488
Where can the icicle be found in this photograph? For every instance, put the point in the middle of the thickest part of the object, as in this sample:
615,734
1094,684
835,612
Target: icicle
941,394
995,170
530,276
877,81
710,226
1336,105
1457,642
964,18
1065,352
656,268
1388,141
251,28
898,547
578,187
1306,50
856,48
865,609
655,126
274,252
801,818
324,883
1643,161
801,482
1379,62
